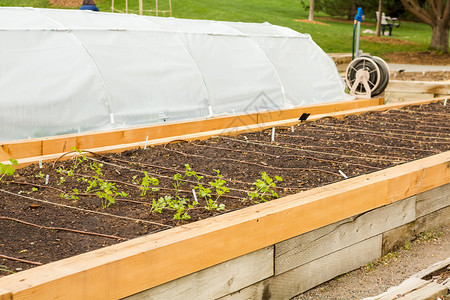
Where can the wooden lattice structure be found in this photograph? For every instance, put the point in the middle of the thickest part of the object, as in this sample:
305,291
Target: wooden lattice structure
141,8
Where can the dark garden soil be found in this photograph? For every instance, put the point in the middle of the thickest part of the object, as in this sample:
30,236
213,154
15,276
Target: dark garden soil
35,219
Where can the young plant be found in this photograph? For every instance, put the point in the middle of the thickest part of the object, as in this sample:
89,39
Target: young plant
180,205
219,185
106,191
265,188
146,184
33,189
5,269
8,170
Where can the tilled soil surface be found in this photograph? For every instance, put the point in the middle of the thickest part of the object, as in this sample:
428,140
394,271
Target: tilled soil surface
421,76
40,222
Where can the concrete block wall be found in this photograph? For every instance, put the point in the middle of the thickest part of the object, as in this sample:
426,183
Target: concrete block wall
293,266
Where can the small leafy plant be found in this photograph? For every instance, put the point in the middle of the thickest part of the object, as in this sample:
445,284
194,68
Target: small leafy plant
106,191
180,205
5,269
219,185
265,188
146,184
8,170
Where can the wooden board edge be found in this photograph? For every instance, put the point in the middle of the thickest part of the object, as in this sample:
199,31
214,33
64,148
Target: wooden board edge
124,268
104,138
5,295
229,131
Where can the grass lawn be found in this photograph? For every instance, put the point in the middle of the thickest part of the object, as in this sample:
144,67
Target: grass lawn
334,36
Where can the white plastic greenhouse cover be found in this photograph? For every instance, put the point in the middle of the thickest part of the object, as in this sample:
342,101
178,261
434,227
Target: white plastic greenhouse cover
67,71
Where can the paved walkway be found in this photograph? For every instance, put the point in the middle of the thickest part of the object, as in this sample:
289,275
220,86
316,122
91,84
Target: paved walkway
418,68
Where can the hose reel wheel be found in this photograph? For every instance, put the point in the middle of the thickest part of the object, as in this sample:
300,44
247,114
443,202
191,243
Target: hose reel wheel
367,76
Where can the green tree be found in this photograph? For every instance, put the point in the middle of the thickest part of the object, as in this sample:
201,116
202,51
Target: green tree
435,13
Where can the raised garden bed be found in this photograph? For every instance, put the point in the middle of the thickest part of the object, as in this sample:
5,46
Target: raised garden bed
33,213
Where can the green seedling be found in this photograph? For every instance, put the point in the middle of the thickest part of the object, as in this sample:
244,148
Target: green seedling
5,269
265,188
8,170
146,184
219,186
33,189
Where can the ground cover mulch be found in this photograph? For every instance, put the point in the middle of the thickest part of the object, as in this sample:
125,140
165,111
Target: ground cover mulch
66,3
50,213
420,76
418,58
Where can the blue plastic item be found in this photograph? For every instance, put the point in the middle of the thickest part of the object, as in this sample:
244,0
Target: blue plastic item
359,14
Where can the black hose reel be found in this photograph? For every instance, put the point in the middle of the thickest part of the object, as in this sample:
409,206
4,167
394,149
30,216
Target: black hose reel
367,76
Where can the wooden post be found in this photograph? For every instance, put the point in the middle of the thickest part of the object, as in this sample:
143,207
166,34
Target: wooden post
380,12
112,5
311,10
170,7
156,7
141,8
126,6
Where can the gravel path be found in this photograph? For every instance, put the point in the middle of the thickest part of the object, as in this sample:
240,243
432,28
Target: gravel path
375,278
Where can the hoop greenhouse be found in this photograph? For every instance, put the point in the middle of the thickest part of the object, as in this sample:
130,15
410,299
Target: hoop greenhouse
68,71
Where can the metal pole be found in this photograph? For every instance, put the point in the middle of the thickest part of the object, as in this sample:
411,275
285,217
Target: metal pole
170,7
358,28
126,6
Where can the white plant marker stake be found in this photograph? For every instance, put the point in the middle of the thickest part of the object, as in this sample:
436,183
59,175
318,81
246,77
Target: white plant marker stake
46,179
273,134
292,128
195,195
343,175
40,163
111,118
146,141
445,102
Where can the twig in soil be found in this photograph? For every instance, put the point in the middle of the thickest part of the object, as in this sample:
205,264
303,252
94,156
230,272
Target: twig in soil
262,143
157,175
84,210
377,122
375,133
21,260
289,155
424,112
353,142
250,163
392,130
63,229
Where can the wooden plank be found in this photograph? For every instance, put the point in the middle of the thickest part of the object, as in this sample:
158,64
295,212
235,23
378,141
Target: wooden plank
302,249
433,268
303,278
411,179
97,139
396,238
405,287
216,281
208,134
5,295
141,263
423,87
431,291
415,287
433,200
